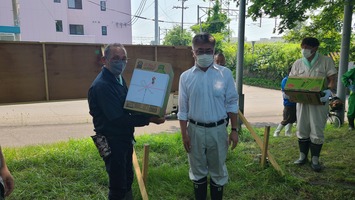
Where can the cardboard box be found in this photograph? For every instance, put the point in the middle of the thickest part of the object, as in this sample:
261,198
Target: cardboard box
150,87
306,90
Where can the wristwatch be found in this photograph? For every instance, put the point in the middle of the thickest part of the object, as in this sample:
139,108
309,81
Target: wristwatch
235,129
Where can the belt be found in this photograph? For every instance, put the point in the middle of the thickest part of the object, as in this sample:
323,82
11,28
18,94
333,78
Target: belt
208,125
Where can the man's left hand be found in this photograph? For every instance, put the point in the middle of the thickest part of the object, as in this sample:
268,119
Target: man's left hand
327,94
233,138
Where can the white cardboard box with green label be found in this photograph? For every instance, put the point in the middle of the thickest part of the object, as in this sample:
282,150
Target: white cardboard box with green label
149,87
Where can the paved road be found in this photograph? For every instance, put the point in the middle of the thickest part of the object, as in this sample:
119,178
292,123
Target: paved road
39,123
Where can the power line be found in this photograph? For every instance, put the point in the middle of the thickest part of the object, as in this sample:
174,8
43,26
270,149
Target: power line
138,12
137,16
164,12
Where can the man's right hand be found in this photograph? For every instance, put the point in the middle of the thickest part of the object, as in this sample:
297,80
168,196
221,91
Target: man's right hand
8,181
157,120
186,141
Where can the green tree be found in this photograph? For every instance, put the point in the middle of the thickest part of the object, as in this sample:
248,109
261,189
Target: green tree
216,24
318,18
175,37
328,31
217,21
293,12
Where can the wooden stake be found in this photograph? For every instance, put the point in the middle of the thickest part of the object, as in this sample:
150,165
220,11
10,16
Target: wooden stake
139,176
265,146
45,71
145,163
259,142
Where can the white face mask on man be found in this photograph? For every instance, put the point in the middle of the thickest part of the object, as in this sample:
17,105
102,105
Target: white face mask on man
306,53
204,60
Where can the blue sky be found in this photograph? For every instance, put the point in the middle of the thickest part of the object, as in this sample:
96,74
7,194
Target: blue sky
143,30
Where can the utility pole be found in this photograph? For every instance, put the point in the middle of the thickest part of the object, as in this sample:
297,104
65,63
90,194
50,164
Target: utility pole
16,18
240,55
157,40
198,18
159,34
344,53
182,15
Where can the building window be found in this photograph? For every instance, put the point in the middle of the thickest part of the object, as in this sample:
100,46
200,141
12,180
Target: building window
104,30
103,5
59,25
75,4
76,29
56,1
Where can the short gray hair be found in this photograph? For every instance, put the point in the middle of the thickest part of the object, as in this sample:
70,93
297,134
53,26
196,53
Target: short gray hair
107,51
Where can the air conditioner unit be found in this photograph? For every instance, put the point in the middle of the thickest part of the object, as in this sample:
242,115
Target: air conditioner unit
7,37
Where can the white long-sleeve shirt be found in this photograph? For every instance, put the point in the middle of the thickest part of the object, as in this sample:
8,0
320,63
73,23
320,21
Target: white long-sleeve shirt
207,96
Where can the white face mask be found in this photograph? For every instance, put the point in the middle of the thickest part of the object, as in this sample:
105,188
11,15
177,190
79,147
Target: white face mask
306,53
204,60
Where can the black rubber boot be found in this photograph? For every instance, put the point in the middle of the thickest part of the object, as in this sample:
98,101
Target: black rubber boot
200,189
129,195
216,191
304,148
351,123
315,152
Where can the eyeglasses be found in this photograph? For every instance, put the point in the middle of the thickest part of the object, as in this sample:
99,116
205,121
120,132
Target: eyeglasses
203,51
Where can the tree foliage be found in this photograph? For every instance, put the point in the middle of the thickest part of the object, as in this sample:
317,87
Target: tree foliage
327,29
229,50
217,21
215,24
322,19
330,39
175,37
293,12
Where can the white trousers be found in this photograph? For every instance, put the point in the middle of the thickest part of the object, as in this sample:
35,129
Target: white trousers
311,121
209,147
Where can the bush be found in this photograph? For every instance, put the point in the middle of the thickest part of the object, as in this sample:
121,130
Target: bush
270,60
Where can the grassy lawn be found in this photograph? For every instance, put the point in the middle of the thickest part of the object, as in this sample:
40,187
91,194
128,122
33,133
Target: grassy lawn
74,170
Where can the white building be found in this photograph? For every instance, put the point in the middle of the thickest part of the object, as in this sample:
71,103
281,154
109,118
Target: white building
78,21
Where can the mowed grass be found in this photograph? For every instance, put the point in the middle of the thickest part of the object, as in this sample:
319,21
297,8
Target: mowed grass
73,170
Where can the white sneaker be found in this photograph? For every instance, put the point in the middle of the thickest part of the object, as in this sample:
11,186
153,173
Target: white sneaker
276,134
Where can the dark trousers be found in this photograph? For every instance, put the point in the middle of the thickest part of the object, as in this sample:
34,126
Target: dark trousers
119,168
289,115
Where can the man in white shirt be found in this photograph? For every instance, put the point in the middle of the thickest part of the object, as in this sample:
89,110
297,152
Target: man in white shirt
207,96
